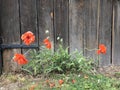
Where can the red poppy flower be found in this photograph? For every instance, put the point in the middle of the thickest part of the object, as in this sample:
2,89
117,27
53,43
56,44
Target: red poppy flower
20,59
28,37
51,85
46,40
61,82
102,49
47,81
73,81
32,87
47,43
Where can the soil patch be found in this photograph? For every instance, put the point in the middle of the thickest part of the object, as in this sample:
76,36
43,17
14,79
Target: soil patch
15,81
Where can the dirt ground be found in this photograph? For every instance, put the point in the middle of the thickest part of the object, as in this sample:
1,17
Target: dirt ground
17,81
110,71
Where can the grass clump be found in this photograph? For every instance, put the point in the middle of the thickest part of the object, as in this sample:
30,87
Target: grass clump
46,61
73,69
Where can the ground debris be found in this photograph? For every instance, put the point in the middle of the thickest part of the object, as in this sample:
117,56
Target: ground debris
110,71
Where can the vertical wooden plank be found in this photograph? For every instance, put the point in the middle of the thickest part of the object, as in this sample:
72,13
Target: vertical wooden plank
10,30
76,24
61,17
28,18
45,19
1,62
116,33
105,30
90,28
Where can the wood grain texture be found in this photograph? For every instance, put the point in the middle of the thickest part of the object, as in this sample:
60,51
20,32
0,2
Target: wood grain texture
1,62
105,30
28,20
116,34
76,24
90,28
82,24
10,30
45,20
28,16
61,17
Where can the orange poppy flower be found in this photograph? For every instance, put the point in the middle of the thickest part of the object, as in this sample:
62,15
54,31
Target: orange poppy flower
20,59
102,49
51,85
47,81
73,81
28,37
47,43
61,82
46,40
32,87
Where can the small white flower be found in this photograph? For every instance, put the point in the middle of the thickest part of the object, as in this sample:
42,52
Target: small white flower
58,38
61,39
47,31
79,75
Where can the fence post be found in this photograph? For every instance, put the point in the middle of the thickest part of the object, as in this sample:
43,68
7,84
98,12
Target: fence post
1,62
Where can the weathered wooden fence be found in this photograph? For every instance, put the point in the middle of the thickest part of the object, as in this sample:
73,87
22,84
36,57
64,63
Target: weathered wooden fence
83,25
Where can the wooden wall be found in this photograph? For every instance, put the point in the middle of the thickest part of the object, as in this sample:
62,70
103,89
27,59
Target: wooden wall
83,25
